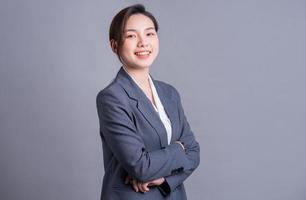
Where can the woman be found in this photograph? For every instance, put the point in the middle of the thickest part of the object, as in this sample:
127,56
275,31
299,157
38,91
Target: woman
148,147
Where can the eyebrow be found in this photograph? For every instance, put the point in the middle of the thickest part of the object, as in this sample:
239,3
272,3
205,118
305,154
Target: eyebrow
134,30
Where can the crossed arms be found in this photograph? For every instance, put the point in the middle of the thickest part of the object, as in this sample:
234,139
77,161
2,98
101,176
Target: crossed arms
167,167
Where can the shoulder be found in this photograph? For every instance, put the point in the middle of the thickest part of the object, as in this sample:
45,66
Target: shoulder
113,93
168,89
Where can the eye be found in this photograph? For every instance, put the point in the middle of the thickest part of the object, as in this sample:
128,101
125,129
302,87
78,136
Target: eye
150,34
130,36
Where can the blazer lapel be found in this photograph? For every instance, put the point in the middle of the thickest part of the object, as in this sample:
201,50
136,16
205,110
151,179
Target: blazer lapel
149,113
143,104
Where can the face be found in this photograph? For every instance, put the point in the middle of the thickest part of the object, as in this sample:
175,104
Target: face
140,42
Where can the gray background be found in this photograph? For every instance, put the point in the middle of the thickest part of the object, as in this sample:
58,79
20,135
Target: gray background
240,66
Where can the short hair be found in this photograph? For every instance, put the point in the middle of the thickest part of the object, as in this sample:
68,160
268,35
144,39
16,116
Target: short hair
118,23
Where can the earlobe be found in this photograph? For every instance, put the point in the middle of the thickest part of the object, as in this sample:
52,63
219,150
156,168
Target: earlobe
114,45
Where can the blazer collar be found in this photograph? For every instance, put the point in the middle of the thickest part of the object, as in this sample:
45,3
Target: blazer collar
132,89
145,106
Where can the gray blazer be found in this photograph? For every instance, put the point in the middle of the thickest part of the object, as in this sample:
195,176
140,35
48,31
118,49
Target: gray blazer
134,141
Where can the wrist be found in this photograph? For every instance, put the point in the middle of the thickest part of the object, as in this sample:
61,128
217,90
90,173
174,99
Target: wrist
162,180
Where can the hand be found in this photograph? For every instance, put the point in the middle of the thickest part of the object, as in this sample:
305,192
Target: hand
134,182
143,187
179,142
157,182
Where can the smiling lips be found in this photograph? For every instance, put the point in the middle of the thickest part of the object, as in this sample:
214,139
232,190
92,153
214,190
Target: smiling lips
143,54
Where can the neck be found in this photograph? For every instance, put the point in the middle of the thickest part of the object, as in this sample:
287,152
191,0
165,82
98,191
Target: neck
139,75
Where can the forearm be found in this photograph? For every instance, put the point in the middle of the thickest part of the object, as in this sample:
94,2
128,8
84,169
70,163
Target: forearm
173,181
156,164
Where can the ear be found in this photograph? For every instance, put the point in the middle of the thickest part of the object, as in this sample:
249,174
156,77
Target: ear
114,46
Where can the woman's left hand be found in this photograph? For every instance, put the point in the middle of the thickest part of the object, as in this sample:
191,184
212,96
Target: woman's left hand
143,187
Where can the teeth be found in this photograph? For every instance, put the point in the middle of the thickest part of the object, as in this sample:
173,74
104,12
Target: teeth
142,53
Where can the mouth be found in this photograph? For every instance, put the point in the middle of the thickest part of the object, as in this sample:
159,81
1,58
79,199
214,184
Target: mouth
142,53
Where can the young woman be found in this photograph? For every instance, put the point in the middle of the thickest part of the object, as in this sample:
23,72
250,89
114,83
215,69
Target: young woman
148,147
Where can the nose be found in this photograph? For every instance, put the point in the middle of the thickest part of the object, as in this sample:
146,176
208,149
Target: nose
143,42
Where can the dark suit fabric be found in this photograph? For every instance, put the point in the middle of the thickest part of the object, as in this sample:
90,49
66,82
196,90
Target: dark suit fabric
134,141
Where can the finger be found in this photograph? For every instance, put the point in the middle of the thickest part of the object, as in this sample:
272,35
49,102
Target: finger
139,184
145,187
134,183
157,181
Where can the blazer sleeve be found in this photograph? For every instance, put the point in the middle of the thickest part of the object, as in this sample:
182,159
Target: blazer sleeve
119,132
192,153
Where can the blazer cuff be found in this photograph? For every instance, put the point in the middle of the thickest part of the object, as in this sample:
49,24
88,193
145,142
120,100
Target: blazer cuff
164,188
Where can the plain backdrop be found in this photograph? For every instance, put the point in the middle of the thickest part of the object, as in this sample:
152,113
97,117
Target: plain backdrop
239,65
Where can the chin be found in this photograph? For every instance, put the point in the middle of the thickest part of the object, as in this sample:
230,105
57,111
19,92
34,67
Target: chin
139,64
143,65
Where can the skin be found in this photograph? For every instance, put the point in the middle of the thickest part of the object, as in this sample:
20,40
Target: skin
142,187
139,50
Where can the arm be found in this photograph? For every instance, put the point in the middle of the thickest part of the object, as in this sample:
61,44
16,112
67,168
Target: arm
118,129
192,149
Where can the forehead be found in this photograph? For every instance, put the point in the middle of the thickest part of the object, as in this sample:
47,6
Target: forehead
139,22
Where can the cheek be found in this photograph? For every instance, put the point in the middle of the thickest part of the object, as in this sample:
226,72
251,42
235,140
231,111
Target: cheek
128,46
156,44
126,52
156,47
